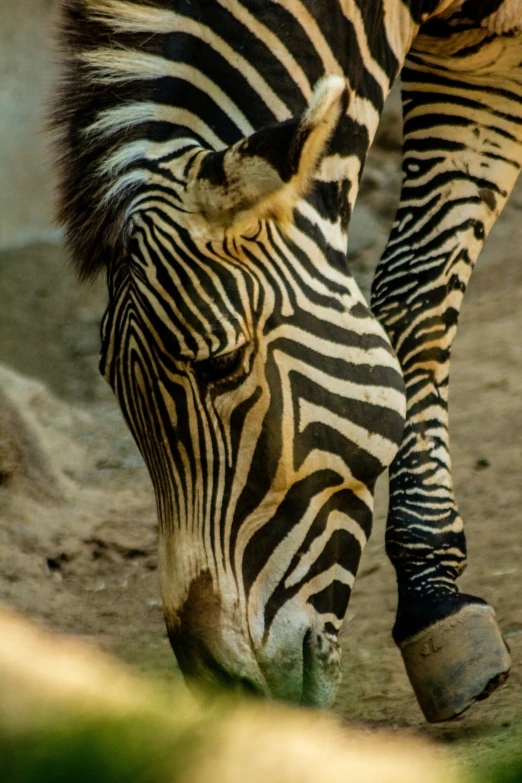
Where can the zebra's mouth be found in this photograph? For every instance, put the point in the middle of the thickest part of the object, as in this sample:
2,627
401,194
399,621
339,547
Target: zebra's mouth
306,674
298,661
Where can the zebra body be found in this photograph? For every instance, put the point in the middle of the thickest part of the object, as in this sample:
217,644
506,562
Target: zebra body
211,155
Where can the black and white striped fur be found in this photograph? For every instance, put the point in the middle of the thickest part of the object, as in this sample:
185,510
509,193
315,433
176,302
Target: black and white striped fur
211,152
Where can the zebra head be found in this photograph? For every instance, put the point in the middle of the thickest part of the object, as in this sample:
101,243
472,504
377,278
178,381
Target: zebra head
263,395
250,374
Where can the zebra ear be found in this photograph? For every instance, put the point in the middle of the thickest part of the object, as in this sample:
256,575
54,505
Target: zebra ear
265,174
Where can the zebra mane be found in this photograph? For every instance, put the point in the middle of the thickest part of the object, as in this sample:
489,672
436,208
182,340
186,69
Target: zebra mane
507,19
101,131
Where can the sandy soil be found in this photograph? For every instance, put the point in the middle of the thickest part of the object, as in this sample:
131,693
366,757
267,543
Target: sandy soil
78,532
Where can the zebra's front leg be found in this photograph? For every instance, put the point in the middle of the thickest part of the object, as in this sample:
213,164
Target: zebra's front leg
462,154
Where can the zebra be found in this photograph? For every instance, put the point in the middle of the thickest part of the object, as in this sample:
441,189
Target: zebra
209,154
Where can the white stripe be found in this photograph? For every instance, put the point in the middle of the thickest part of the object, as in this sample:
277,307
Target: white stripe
128,17
336,521
115,65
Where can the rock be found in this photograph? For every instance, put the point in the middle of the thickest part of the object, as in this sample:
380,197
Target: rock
37,438
364,230
24,465
56,320
389,133
27,65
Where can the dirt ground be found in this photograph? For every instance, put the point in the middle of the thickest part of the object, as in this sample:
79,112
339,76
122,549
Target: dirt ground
78,540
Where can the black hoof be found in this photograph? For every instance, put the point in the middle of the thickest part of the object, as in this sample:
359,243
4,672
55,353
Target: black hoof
454,653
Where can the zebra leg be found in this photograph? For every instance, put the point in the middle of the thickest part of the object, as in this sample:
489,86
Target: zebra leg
462,154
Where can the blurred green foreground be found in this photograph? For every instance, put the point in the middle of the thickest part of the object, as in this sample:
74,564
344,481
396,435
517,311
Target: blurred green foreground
70,715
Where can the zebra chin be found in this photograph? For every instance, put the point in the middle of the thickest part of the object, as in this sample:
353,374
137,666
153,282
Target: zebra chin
298,661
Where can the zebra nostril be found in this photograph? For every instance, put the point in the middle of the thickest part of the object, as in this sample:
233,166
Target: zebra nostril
307,647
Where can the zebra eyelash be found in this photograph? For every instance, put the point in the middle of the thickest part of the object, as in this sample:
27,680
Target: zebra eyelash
220,368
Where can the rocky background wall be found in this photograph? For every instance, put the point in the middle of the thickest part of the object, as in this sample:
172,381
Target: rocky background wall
77,518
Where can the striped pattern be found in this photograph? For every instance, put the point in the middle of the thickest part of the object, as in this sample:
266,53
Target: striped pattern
211,169
462,93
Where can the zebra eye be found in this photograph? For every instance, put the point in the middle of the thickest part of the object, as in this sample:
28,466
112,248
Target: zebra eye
219,367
